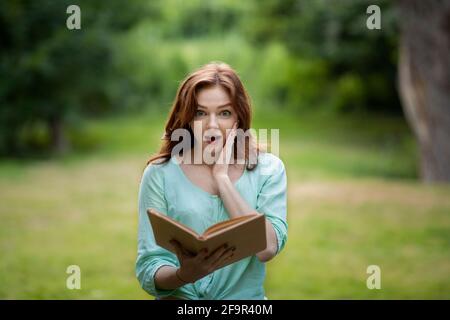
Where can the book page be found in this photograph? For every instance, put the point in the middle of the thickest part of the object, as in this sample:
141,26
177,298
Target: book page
247,235
226,223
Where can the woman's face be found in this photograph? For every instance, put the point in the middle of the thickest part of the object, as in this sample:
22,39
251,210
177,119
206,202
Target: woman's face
214,115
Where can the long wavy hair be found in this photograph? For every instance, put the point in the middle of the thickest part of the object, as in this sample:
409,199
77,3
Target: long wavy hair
185,105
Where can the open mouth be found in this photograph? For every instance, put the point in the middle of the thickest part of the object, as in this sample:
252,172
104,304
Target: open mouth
212,139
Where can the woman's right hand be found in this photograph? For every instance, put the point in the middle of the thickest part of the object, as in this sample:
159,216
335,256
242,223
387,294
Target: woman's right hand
194,267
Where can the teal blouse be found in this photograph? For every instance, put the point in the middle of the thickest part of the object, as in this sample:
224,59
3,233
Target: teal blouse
168,190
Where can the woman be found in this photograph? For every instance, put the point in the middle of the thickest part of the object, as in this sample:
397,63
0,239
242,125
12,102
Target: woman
211,179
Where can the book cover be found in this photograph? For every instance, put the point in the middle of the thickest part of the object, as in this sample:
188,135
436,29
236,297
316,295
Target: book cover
246,233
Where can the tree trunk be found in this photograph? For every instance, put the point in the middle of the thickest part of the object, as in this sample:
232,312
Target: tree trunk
424,81
58,138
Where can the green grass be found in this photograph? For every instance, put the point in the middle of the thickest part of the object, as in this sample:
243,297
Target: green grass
354,201
338,229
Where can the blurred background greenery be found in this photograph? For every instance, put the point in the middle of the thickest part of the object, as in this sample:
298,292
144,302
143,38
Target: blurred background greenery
82,110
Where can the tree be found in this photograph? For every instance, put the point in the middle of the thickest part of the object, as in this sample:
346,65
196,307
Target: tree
424,77
49,72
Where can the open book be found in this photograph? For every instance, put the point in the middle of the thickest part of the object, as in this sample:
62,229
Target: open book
246,233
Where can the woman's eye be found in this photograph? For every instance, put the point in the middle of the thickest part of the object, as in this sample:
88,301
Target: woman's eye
226,113
199,113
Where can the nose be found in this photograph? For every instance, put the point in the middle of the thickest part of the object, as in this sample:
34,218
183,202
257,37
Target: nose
212,122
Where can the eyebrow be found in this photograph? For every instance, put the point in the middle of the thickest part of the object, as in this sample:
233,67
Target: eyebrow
219,107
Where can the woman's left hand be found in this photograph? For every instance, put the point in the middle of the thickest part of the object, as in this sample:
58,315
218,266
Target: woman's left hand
220,168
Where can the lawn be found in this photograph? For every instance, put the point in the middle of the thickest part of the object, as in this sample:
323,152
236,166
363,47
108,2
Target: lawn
354,201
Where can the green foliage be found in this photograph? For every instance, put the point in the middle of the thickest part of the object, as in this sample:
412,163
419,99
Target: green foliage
349,93
293,57
51,71
198,18
285,83
156,68
361,63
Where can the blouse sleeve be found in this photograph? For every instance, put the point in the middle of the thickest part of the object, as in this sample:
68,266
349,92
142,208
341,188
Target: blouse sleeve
150,256
272,199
